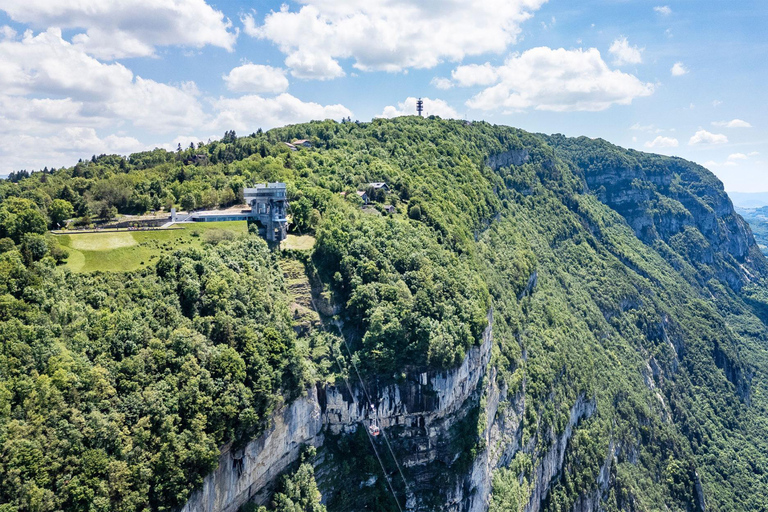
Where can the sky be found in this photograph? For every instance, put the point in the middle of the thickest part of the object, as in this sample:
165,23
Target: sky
677,77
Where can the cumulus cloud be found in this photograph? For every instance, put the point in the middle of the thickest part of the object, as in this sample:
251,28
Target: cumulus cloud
313,65
678,69
119,29
251,112
474,74
664,10
441,82
47,65
662,142
557,80
737,156
623,53
64,147
705,137
256,78
389,35
735,123
58,102
432,107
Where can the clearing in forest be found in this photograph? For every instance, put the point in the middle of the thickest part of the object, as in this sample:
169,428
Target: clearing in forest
131,250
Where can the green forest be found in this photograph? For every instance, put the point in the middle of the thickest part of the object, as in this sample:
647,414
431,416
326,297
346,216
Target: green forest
615,278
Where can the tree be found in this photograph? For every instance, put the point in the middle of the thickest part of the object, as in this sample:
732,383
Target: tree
188,202
34,247
59,211
20,216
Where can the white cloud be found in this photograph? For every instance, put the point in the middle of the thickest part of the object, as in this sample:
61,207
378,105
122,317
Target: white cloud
736,123
558,80
119,29
389,35
625,54
64,147
58,103
475,74
95,92
256,78
643,127
662,142
432,107
441,82
678,69
664,10
737,156
313,65
705,137
7,32
248,113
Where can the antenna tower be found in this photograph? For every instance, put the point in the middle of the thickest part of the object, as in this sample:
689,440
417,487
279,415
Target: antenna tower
420,106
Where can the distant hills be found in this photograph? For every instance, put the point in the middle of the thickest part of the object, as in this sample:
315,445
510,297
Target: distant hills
749,199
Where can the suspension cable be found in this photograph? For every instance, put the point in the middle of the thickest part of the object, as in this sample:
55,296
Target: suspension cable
375,411
361,421
370,402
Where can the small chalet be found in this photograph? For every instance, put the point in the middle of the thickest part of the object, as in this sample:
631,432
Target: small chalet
390,209
290,146
379,185
303,143
361,193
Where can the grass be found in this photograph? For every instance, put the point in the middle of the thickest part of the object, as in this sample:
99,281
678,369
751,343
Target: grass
298,243
126,251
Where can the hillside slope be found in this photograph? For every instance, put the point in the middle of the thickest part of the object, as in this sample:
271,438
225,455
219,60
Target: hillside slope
605,309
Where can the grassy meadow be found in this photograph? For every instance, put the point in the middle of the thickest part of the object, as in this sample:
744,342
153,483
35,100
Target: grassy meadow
130,250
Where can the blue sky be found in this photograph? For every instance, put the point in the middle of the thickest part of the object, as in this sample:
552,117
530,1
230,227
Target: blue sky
683,78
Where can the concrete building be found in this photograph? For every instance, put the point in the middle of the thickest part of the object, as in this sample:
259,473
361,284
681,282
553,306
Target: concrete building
269,205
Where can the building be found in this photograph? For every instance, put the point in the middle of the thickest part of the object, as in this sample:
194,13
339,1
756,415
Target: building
290,146
269,205
303,143
379,185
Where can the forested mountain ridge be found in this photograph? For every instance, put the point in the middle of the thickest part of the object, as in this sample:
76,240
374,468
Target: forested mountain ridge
629,323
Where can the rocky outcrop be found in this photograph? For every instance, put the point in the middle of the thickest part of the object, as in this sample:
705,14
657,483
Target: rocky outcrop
507,159
673,200
419,413
247,474
424,405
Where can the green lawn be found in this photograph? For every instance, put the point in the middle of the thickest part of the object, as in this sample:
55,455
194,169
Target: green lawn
130,250
299,243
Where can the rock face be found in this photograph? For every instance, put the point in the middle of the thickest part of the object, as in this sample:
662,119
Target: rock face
246,474
672,200
507,158
419,414
423,407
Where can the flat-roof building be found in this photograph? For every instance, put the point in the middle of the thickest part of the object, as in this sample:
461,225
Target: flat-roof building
269,205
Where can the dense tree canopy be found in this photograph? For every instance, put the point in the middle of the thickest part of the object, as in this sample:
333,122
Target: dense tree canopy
117,389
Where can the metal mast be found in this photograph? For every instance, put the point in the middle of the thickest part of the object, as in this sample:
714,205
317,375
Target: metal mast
420,106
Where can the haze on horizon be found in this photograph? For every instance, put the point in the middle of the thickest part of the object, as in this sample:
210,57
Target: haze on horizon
104,76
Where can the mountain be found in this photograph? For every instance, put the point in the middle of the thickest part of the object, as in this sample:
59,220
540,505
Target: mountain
749,199
539,323
758,222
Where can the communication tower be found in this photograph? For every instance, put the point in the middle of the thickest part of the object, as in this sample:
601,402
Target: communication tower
420,106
